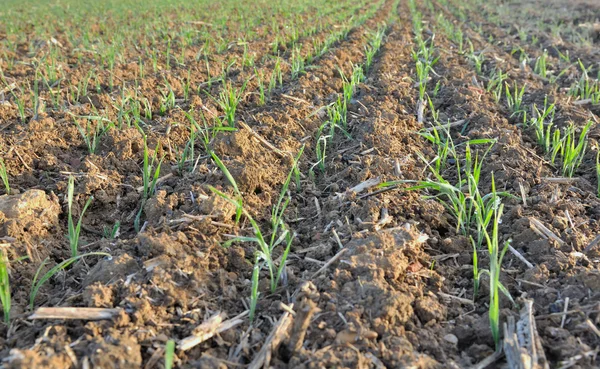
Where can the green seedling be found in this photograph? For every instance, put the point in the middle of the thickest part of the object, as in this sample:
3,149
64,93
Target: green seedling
496,84
254,294
374,44
261,87
514,100
4,176
38,281
598,171
280,235
91,134
572,151
112,233
74,229
169,354
5,297
239,199
585,87
540,67
228,100
297,64
477,60
150,173
542,117
492,215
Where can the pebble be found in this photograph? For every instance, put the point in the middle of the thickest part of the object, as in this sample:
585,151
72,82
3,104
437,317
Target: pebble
451,338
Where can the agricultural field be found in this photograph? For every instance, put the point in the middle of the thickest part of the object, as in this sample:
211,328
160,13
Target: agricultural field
299,184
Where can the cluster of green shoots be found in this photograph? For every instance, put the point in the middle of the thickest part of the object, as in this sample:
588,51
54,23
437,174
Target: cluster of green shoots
337,112
454,33
423,57
266,244
477,215
477,58
586,87
150,172
41,277
514,98
92,133
74,228
229,99
541,65
495,84
565,145
4,176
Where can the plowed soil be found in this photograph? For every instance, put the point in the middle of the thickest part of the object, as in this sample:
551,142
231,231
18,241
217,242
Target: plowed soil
375,278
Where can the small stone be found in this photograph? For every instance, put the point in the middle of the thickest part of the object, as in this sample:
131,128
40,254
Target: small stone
451,338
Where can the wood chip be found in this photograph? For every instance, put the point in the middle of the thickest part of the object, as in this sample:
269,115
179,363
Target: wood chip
520,257
541,229
372,182
447,125
209,328
264,141
459,299
522,344
161,179
306,309
595,242
331,261
75,313
276,337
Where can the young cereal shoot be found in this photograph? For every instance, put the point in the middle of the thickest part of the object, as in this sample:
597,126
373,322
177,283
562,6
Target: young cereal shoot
169,354
239,200
91,135
540,67
279,235
572,151
514,99
229,99
493,215
38,281
150,173
4,176
5,298
74,229
598,170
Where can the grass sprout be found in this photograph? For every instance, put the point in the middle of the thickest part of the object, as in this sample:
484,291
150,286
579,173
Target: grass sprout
541,65
150,173
74,229
38,281
598,171
239,200
572,149
91,135
514,99
496,254
4,176
279,235
5,297
229,99
169,354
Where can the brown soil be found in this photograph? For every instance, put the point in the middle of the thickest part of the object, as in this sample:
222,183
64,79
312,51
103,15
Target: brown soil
399,292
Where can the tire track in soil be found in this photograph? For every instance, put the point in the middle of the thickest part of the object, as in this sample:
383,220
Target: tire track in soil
558,272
